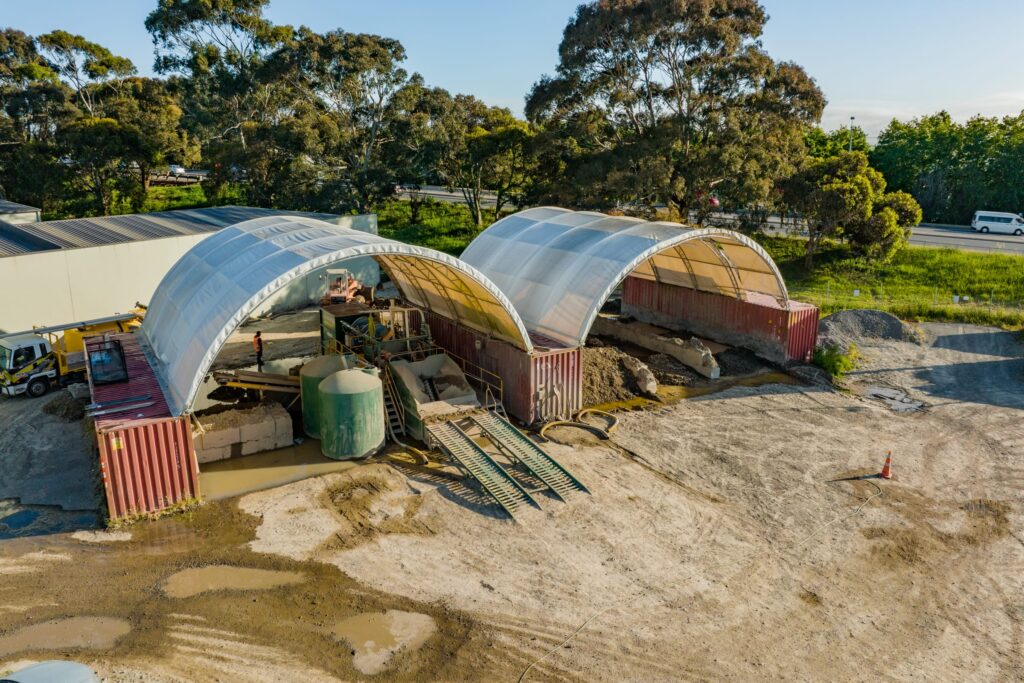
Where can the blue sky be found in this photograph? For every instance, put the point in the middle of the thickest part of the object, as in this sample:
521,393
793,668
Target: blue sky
874,59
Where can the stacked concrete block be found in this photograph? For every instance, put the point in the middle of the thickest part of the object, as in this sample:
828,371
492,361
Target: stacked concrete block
242,432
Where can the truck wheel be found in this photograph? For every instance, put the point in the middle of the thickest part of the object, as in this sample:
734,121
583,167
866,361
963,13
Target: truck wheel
1018,232
984,229
38,387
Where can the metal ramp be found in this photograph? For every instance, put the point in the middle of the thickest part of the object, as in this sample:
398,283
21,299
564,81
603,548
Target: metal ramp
533,457
474,460
394,411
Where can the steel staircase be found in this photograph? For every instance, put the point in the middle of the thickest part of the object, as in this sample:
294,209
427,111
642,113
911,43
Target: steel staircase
393,408
475,461
533,457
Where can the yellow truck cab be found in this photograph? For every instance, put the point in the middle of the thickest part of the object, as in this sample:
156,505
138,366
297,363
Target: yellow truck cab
33,361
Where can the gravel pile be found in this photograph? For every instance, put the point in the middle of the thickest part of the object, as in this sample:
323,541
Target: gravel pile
856,326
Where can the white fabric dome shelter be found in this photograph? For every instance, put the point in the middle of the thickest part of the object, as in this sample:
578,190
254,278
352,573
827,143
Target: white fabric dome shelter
558,267
215,287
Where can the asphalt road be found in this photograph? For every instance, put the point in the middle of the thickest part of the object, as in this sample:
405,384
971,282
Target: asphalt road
946,236
955,237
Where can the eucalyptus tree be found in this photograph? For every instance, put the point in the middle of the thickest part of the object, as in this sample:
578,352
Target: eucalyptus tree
667,101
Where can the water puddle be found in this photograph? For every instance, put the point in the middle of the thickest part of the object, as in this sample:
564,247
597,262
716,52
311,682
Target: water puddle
93,633
235,476
672,393
896,400
218,577
19,521
376,637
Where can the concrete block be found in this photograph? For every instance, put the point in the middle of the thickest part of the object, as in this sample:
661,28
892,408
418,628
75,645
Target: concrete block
258,445
282,440
691,352
213,454
257,430
218,438
283,425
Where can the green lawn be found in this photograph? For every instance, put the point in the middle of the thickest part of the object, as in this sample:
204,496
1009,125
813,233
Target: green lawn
442,226
918,284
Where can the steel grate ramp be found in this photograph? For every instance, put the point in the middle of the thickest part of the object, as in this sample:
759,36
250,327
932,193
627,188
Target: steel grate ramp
532,456
474,460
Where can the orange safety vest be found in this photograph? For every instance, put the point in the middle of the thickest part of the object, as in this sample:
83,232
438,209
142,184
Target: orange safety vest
257,344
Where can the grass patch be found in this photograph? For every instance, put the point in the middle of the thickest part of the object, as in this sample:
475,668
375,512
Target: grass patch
918,284
442,226
175,197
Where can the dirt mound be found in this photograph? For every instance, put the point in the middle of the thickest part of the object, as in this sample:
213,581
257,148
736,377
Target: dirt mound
668,370
611,375
66,407
855,326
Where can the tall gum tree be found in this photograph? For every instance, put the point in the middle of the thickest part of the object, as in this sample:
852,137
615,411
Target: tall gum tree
671,101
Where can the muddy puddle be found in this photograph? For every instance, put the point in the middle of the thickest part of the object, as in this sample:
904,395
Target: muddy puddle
20,521
92,633
236,476
218,577
671,393
377,637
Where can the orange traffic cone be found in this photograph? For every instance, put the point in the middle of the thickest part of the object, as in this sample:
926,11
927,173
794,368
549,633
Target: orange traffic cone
887,467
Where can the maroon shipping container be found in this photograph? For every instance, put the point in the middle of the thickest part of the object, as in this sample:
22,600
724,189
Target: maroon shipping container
147,457
545,384
758,323
148,466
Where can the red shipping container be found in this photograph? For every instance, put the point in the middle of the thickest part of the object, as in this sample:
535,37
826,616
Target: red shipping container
147,458
545,384
757,322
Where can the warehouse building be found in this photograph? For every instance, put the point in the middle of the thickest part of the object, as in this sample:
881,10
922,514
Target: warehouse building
13,213
84,268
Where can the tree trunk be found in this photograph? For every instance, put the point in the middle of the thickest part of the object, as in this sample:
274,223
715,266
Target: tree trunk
812,246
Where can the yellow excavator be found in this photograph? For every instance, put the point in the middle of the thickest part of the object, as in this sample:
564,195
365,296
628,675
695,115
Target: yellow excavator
35,360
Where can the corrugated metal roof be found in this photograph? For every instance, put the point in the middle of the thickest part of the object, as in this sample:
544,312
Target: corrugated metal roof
141,383
15,207
11,247
91,232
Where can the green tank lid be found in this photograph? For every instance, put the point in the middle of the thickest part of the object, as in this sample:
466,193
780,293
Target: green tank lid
310,376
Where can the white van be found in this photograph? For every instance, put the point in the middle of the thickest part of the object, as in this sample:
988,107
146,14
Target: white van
997,221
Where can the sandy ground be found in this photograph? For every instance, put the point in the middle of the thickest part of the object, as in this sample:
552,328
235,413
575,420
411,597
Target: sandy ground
725,537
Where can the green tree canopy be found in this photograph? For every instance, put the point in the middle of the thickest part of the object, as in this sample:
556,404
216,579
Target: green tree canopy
843,196
659,100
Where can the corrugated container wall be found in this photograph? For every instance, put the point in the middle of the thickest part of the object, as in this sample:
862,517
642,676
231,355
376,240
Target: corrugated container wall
758,323
547,383
148,466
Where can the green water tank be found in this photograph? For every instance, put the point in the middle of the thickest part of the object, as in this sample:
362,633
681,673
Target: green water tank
310,376
351,414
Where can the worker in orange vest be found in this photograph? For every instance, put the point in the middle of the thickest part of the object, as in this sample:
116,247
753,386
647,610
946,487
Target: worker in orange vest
257,345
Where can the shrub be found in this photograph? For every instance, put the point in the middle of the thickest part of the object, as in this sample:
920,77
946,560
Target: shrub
832,360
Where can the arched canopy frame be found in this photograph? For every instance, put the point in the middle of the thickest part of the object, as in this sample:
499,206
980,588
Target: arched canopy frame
214,288
558,267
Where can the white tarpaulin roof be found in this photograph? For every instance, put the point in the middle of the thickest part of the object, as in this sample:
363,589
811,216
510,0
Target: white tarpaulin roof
559,266
214,288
